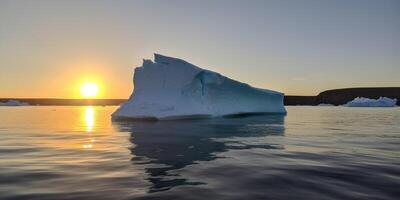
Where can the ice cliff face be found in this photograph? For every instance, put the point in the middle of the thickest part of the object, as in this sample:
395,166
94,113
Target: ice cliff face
171,88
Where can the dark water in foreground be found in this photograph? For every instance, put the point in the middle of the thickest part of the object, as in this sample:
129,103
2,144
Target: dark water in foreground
312,153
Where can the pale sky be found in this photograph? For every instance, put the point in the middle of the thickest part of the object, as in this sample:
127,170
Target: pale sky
48,48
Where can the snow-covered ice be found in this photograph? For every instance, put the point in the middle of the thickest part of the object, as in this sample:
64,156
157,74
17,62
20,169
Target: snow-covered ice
366,102
325,104
171,88
13,103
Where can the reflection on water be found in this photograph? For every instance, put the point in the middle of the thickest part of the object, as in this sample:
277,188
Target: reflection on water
89,120
166,146
319,153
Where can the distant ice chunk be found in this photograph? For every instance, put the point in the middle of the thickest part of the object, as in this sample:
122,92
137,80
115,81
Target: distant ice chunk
171,88
325,104
366,102
13,103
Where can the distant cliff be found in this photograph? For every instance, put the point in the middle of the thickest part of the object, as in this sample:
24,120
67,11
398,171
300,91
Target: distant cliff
292,100
342,96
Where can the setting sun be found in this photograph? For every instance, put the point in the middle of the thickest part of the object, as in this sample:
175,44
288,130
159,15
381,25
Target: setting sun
89,89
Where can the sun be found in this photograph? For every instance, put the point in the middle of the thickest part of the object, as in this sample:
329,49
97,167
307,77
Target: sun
89,89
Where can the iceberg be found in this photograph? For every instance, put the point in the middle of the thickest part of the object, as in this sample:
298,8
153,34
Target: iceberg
13,103
325,104
171,88
366,102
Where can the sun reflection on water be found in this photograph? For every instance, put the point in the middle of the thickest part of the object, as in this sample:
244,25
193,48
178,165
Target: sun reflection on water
89,118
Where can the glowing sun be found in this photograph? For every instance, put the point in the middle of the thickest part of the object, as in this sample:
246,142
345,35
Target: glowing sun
89,89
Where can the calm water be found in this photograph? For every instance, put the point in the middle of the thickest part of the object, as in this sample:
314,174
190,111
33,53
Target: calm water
312,153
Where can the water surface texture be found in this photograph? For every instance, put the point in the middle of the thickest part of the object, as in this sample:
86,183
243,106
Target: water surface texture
311,153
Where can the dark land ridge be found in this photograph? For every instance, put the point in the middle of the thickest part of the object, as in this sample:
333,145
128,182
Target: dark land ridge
342,96
335,97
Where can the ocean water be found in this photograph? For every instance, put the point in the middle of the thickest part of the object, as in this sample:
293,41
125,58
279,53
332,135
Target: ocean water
311,153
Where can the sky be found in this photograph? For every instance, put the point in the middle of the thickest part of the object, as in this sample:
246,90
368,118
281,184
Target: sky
299,47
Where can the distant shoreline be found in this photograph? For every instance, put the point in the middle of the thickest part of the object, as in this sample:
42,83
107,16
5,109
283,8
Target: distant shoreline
334,97
342,96
67,102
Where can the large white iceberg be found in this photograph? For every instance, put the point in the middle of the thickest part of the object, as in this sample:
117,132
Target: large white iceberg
171,88
366,102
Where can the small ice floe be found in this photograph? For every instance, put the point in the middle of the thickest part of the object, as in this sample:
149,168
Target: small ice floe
325,104
366,102
13,103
